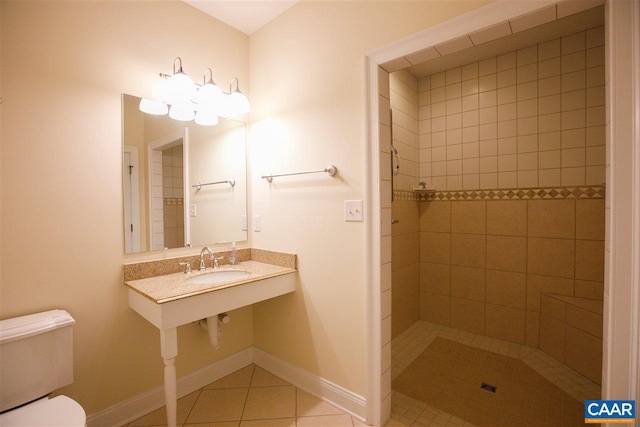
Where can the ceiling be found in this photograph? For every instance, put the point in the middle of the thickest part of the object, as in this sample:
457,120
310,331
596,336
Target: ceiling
243,15
553,22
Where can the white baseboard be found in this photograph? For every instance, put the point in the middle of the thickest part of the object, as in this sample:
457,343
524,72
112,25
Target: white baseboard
142,404
334,394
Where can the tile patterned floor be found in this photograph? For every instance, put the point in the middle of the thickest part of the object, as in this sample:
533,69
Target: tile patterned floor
407,346
251,397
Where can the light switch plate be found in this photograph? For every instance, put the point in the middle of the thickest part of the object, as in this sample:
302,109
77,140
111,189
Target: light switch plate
192,210
353,210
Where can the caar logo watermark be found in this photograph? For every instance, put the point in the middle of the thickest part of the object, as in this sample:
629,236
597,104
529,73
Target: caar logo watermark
610,411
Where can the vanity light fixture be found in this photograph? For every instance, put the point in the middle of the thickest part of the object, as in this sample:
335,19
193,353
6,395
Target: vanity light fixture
185,100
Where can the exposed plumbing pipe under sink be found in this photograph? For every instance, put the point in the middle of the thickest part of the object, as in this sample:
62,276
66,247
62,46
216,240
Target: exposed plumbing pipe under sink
215,332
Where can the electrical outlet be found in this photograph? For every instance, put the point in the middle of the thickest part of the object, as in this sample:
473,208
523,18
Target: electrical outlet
192,210
257,223
243,220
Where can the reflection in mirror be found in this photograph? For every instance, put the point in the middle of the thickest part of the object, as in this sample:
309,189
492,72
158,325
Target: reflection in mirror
183,184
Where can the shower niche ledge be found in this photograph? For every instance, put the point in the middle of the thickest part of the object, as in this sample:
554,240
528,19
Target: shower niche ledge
422,188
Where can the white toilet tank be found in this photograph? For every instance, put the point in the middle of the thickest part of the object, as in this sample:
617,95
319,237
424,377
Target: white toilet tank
36,356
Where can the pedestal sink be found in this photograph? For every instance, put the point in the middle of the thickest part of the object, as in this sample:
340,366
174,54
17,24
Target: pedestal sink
177,299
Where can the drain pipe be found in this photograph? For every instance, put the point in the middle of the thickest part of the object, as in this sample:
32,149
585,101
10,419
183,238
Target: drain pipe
212,325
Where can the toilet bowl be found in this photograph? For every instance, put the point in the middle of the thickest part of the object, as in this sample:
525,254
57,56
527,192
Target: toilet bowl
60,411
37,358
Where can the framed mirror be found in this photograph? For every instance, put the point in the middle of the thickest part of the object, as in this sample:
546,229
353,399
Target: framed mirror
183,184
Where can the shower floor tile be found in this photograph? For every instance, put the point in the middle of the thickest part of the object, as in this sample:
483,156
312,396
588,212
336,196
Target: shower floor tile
569,389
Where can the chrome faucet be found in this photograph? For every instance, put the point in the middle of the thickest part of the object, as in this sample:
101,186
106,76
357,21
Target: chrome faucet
211,257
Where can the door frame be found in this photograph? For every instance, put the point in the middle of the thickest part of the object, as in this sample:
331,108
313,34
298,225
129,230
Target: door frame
621,346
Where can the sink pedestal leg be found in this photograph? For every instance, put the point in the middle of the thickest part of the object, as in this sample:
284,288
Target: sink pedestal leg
169,344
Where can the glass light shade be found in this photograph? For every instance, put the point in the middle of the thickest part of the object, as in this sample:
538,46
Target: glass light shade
180,88
209,96
235,104
239,103
206,117
182,111
150,106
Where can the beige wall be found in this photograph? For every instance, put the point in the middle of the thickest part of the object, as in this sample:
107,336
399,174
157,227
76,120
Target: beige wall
308,109
62,240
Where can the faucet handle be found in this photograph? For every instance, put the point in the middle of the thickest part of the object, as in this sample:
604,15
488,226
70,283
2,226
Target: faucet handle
187,267
215,261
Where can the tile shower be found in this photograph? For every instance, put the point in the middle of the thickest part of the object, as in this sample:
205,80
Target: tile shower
511,244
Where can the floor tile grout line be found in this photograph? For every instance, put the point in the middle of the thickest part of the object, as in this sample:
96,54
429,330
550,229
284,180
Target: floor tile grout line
186,419
246,398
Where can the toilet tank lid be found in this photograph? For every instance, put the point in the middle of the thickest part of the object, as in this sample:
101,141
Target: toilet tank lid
33,324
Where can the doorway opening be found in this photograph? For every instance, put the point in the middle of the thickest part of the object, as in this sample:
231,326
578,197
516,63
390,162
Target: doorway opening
392,58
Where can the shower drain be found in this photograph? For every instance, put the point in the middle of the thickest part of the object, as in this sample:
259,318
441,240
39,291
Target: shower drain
488,387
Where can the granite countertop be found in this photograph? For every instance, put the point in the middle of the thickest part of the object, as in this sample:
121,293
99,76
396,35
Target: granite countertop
171,287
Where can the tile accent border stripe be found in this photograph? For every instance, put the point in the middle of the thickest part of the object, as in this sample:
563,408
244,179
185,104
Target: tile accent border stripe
555,193
172,201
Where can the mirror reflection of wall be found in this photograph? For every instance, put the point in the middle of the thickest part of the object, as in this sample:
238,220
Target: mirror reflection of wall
164,159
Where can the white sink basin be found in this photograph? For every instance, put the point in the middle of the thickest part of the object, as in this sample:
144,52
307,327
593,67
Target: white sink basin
218,277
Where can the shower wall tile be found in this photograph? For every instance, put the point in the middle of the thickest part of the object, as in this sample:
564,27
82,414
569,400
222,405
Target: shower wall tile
435,247
507,253
505,323
467,315
506,288
435,278
589,260
586,320
501,258
532,332
551,257
588,289
552,336
469,250
507,218
580,354
435,216
435,308
468,282
543,91
405,264
590,219
469,217
536,285
403,249
552,218
406,127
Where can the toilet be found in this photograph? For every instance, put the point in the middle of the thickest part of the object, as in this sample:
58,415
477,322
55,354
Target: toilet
36,358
